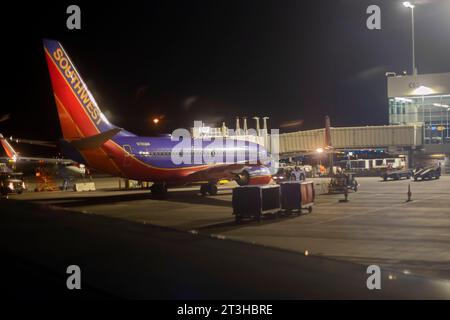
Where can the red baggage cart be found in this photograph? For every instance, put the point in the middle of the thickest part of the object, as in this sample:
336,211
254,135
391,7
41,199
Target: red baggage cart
296,196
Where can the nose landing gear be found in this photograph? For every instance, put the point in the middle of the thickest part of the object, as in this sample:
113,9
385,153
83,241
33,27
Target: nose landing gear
159,189
208,188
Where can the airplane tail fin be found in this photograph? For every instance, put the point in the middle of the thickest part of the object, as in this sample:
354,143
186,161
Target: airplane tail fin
78,112
10,152
327,132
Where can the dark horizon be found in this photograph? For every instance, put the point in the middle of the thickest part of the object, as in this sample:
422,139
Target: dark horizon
213,61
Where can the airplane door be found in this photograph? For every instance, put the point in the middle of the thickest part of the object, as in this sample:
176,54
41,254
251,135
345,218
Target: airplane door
128,153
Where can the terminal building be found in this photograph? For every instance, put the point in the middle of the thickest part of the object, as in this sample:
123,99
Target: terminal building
418,129
423,100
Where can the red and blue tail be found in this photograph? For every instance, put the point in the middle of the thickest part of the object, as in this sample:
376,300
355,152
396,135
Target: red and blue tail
78,112
10,152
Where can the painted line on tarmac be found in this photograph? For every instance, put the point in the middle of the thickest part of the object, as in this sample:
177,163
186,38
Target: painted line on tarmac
402,204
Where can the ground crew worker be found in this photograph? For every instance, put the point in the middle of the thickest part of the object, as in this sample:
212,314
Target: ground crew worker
322,170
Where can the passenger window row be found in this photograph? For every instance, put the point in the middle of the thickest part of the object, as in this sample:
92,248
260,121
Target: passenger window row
168,153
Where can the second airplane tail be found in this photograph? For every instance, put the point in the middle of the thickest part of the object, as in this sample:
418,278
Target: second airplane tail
10,152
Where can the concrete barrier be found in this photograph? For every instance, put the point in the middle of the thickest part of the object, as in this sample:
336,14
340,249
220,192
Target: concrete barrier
321,187
84,186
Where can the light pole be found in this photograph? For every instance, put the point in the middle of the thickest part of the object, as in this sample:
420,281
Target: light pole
408,4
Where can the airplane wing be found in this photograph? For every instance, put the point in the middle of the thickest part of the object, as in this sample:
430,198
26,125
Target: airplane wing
5,117
13,157
20,159
48,144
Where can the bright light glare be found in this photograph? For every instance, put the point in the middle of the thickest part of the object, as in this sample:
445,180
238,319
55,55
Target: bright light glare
422,90
205,129
155,120
441,105
319,150
103,117
408,4
392,277
403,100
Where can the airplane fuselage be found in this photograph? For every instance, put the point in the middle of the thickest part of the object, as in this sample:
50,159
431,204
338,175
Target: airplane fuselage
162,159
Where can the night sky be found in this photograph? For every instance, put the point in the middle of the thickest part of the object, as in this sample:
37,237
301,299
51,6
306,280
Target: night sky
213,60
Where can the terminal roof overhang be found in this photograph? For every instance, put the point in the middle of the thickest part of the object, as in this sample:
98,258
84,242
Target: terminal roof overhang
419,85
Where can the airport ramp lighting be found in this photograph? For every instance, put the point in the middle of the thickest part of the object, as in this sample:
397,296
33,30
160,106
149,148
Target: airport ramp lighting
423,91
404,100
408,4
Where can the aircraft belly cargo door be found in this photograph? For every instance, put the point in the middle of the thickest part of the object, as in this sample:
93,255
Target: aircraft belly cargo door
128,153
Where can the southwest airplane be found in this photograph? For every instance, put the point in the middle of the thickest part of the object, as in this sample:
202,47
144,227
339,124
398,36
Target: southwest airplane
89,138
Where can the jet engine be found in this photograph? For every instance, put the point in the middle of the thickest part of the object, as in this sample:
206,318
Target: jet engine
254,175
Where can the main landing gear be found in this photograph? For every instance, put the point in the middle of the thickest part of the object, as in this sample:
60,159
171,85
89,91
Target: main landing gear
208,188
159,189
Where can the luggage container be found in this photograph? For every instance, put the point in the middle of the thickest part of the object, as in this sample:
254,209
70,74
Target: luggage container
296,196
255,200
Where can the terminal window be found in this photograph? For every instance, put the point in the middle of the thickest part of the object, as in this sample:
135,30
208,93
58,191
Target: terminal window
433,112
